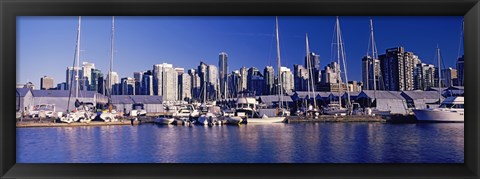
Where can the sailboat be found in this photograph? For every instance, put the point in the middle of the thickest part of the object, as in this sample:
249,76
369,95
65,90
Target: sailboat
82,112
369,110
109,115
452,109
337,108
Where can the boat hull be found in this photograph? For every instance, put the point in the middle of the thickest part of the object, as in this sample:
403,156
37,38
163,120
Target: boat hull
164,121
432,115
233,120
265,120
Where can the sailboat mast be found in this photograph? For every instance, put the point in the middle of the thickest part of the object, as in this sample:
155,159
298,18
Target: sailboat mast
439,75
374,57
339,77
110,76
279,78
344,67
309,66
78,57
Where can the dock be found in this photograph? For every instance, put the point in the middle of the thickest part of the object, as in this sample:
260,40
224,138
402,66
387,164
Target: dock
331,118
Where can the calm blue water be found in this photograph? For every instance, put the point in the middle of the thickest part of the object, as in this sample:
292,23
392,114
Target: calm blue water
279,143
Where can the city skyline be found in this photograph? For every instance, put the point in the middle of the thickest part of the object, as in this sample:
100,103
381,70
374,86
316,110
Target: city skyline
248,41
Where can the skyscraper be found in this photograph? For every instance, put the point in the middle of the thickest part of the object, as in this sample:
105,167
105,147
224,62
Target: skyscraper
461,71
287,79
368,74
138,82
185,87
269,79
212,82
87,74
449,77
71,77
255,81
314,66
128,86
300,75
96,83
397,69
113,79
147,83
46,83
165,81
223,74
244,79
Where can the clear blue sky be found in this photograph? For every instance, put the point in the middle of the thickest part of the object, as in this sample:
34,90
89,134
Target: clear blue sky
46,45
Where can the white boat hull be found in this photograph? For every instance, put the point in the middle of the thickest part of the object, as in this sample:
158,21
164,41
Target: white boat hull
439,115
162,120
266,120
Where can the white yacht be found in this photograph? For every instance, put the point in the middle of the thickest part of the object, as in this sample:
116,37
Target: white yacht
451,110
246,108
164,120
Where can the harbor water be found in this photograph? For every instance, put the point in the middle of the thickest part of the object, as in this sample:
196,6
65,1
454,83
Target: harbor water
268,143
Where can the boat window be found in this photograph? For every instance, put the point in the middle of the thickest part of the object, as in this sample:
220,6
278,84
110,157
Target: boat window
446,105
459,106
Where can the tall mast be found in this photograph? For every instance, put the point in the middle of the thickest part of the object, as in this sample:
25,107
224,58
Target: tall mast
279,78
374,57
110,76
339,77
309,66
344,66
439,75
78,57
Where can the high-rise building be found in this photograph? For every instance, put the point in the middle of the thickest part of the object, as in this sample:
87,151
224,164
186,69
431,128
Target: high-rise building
397,68
314,66
368,74
223,74
235,83
461,71
212,82
165,81
185,87
269,79
61,86
87,74
330,73
449,77
202,73
128,86
424,76
244,79
138,82
195,84
95,81
113,80
46,83
286,79
147,83
255,81
300,75
71,77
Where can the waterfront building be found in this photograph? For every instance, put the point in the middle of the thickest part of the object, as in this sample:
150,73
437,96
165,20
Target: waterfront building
87,74
235,80
128,86
71,77
138,82
195,84
269,79
24,100
212,82
112,79
223,74
255,81
460,71
300,75
287,79
397,69
329,74
424,76
450,77
165,81
147,83
46,83
60,86
368,74
96,81
244,79
185,86
202,73
314,66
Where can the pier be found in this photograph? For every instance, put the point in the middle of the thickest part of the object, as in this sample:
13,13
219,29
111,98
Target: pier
331,118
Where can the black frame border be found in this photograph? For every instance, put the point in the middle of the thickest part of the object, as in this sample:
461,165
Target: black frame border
9,9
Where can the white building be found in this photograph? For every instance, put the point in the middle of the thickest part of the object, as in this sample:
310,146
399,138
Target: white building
287,79
165,81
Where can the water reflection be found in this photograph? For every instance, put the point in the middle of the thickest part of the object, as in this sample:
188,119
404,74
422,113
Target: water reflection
280,143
